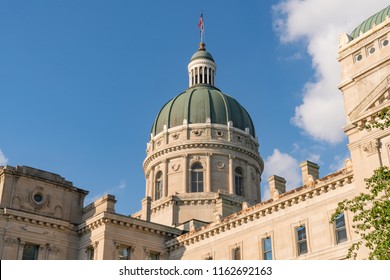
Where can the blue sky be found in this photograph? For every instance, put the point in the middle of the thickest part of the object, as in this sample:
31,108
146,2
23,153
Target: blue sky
82,81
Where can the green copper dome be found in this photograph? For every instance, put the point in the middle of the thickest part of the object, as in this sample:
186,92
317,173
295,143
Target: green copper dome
366,25
200,104
202,54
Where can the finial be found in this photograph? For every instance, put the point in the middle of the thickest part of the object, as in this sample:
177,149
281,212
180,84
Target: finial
202,46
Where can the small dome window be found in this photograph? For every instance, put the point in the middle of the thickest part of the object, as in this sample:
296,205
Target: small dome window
38,198
370,50
385,42
358,57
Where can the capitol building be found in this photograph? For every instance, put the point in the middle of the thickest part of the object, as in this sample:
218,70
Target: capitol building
202,180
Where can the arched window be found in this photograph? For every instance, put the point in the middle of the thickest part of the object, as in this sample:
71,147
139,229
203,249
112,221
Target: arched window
239,182
158,186
197,178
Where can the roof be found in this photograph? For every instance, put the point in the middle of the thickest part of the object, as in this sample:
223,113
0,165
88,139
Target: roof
202,54
200,104
366,25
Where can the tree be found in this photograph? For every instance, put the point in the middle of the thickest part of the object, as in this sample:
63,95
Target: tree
371,215
372,209
381,121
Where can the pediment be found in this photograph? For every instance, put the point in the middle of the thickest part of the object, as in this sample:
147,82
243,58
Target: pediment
375,101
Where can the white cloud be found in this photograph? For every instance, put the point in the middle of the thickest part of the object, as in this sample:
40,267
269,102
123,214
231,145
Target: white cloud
3,159
284,165
339,162
319,23
114,190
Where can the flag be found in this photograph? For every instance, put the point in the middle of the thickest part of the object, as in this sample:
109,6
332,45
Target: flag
200,24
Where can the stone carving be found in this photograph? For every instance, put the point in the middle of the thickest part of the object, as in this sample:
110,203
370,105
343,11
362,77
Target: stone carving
274,194
348,164
370,147
9,241
175,135
219,133
197,132
245,205
175,167
53,249
220,165
310,181
38,199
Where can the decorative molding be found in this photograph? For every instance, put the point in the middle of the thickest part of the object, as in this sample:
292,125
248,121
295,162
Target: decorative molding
175,167
220,165
258,211
176,135
370,147
10,242
381,87
197,132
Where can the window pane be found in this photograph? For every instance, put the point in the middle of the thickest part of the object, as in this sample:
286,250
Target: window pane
341,236
123,253
301,233
340,222
30,252
267,244
302,248
237,254
268,255
341,233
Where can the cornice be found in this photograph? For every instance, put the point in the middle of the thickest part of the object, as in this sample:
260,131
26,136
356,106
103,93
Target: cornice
200,145
364,39
259,211
127,223
36,220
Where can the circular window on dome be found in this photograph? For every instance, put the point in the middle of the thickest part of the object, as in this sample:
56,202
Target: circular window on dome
358,57
385,43
371,50
38,198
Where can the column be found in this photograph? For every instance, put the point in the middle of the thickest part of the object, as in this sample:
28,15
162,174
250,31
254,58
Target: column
208,173
248,191
231,174
165,178
185,173
151,182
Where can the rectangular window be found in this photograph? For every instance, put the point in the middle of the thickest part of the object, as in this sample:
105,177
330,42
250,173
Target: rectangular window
267,248
340,229
236,253
30,252
301,240
90,251
124,253
154,256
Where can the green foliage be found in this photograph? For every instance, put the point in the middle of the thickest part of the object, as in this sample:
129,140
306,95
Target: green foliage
382,121
371,218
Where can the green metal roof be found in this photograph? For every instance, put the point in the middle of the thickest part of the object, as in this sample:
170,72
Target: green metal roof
199,103
202,54
367,24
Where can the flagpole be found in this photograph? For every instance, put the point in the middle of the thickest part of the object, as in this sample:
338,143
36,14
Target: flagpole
201,26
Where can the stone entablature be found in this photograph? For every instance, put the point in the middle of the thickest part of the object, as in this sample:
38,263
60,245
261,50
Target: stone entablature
294,197
201,136
36,220
126,222
37,174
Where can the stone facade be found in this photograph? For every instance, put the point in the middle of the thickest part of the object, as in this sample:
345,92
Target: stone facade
202,187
